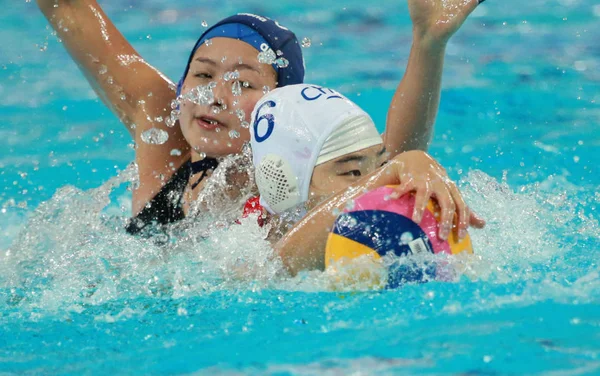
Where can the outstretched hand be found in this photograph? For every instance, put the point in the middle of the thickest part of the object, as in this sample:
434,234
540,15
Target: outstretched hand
437,20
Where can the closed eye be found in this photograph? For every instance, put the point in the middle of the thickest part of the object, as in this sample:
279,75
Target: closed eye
203,75
354,173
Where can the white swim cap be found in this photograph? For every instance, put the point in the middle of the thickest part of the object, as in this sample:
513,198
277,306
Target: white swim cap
295,128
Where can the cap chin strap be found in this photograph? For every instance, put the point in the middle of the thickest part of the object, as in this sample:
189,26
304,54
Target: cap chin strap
277,184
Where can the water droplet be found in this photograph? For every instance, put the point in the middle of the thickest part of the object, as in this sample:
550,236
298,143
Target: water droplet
204,23
158,119
155,136
406,238
350,205
279,53
282,62
123,97
306,42
236,89
64,108
202,155
234,134
208,42
245,124
241,114
267,56
229,76
135,183
148,36
266,89
223,59
110,80
170,122
201,94
218,129
103,69
176,152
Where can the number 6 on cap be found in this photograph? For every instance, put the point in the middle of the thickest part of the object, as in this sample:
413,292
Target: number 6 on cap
270,122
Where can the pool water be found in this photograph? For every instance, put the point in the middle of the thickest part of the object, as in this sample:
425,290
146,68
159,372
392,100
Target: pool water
519,127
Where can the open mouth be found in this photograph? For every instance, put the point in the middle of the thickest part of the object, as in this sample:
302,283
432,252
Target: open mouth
208,123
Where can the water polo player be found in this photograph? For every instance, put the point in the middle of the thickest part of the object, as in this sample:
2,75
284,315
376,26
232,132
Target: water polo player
316,150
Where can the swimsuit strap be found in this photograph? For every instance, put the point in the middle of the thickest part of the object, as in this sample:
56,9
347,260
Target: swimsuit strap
202,166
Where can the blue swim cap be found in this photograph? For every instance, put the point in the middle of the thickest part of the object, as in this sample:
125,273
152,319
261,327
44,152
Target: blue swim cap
258,31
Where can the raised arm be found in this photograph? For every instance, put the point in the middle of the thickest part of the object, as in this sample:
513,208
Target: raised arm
118,74
303,247
134,90
414,107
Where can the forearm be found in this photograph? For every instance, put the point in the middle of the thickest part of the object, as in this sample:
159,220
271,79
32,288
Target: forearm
414,106
117,73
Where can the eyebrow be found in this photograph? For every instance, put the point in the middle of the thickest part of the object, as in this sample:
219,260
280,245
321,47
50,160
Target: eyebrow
247,66
206,60
358,158
351,158
240,66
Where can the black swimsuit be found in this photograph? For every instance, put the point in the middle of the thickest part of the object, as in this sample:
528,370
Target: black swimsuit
166,206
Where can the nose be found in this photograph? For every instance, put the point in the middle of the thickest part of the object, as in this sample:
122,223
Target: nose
222,95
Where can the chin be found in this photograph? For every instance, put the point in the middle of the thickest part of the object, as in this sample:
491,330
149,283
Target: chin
215,151
204,142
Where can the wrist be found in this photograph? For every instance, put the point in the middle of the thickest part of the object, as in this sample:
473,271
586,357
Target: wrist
429,43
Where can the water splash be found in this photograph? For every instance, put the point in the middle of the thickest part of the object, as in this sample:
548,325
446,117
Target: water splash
201,94
73,251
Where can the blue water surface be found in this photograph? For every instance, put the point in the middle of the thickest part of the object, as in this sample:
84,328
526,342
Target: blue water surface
519,127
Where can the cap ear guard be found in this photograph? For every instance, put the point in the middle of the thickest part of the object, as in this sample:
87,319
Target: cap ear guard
277,184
